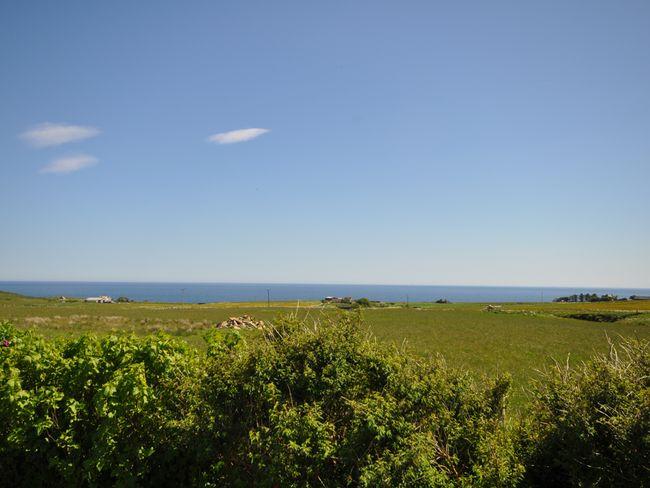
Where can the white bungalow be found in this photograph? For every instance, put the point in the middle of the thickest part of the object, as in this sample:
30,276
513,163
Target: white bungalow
101,299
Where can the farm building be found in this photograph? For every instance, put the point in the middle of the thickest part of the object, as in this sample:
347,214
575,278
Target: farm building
101,299
337,300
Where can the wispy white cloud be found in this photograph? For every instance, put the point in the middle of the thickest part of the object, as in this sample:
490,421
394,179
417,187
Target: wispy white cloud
239,135
70,164
49,134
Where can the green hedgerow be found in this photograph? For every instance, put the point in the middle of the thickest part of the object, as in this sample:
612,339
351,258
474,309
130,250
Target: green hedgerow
96,412
591,426
321,404
306,404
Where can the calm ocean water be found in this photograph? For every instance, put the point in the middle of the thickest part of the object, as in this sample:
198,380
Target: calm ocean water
244,292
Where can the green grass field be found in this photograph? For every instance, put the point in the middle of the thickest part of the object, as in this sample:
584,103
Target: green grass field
518,338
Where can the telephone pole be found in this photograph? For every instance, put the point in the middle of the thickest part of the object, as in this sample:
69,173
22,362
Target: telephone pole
268,298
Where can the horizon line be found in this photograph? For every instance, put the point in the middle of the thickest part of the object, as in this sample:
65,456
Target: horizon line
626,287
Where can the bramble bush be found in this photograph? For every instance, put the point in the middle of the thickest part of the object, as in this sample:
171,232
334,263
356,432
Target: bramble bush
322,404
114,411
591,426
305,404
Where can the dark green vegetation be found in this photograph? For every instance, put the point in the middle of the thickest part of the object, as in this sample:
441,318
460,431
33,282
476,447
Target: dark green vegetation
520,339
590,426
601,316
307,404
588,297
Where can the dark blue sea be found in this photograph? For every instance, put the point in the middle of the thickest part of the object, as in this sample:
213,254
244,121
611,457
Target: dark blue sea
245,292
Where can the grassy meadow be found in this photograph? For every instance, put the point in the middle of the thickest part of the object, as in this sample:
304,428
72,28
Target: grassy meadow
518,338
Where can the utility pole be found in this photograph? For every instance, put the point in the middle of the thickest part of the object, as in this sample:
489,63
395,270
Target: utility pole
268,298
407,301
182,295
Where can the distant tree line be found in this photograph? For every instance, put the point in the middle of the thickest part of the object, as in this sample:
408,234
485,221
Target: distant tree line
588,297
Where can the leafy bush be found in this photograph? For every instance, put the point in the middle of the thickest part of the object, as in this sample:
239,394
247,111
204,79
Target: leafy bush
305,404
591,426
320,404
363,302
91,411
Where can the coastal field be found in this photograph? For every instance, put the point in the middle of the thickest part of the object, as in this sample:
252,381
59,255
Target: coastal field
516,338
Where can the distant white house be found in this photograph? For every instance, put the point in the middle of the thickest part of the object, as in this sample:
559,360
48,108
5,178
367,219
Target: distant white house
337,300
101,299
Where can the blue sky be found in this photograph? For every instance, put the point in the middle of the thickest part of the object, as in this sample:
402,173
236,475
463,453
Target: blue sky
491,143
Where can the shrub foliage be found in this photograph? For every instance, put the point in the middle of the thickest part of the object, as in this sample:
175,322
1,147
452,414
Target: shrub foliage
591,426
323,405
94,412
304,404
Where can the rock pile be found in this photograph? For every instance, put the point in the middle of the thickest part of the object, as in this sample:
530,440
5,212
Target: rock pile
493,308
243,322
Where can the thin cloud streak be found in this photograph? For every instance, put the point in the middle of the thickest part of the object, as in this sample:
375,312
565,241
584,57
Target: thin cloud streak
70,164
48,134
239,135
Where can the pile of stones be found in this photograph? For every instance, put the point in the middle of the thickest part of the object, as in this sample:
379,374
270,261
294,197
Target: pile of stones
243,322
493,308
